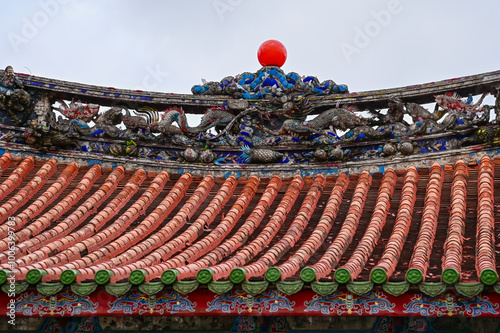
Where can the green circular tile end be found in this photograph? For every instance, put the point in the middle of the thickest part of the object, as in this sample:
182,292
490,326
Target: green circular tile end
342,275
273,274
169,276
450,276
237,275
414,275
103,276
69,276
308,274
378,275
204,276
137,276
489,276
4,274
35,275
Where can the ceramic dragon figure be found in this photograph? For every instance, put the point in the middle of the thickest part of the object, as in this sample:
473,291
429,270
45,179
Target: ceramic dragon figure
342,119
78,110
395,113
165,125
214,118
13,98
452,102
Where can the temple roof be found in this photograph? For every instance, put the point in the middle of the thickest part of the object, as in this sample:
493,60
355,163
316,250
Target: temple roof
89,223
305,190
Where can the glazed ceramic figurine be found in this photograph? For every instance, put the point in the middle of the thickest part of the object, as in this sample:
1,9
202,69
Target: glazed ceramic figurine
13,98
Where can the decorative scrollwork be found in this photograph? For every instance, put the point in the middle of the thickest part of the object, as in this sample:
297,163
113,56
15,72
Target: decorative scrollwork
269,118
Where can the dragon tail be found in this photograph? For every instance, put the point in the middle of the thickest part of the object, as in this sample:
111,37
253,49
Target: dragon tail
245,157
149,113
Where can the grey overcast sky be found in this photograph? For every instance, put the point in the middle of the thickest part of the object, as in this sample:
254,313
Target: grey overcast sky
170,45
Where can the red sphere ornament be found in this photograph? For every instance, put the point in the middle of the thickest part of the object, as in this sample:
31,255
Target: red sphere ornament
272,53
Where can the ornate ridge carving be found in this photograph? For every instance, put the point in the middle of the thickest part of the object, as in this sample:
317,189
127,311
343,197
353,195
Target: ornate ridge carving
270,118
268,81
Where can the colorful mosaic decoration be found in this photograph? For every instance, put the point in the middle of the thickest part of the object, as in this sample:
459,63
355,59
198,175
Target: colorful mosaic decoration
31,303
260,118
269,80
163,303
269,303
239,301
339,303
451,305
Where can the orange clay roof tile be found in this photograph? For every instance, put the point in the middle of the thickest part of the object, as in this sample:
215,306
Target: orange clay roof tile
78,221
